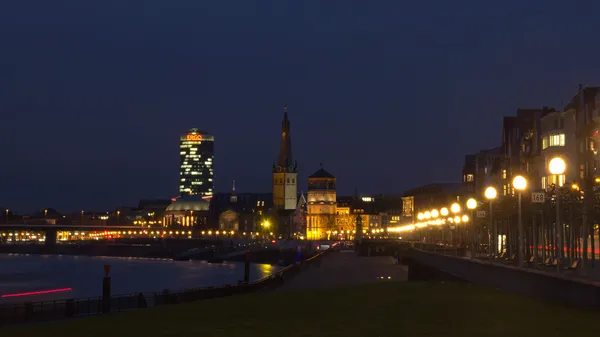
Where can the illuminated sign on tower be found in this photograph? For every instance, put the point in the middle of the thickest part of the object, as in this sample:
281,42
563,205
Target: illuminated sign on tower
196,153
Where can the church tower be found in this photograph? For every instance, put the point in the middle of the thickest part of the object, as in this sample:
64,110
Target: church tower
285,171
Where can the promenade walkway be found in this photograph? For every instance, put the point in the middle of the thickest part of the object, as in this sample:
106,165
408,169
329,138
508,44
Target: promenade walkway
345,268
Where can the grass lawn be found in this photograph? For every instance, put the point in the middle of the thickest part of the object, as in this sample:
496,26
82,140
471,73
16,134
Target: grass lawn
382,309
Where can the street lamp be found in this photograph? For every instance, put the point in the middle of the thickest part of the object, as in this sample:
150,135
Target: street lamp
557,167
420,216
490,195
455,208
427,214
520,183
471,205
435,213
444,211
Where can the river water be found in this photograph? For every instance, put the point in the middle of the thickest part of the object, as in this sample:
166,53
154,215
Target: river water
34,273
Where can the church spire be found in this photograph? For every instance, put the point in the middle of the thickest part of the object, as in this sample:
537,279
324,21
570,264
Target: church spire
284,160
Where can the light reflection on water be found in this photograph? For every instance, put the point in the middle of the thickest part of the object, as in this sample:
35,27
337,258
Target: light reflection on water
24,273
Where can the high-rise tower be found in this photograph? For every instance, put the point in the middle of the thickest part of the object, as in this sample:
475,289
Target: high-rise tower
285,171
196,155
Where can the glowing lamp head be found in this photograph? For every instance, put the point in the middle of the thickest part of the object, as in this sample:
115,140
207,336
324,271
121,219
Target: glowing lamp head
471,203
420,216
491,193
455,208
435,213
520,183
444,211
557,166
457,219
465,218
427,214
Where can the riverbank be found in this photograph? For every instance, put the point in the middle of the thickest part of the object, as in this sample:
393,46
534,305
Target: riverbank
379,309
148,248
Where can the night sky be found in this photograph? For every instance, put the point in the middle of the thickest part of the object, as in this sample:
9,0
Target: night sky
387,94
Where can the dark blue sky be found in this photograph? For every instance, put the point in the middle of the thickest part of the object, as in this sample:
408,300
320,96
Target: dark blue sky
388,94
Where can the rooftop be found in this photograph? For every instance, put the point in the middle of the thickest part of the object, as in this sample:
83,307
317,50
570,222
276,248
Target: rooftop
189,203
321,173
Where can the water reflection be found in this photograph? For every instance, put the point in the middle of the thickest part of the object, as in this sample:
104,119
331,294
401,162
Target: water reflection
26,273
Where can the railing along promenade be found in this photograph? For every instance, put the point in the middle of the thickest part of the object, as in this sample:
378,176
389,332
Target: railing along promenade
69,308
539,281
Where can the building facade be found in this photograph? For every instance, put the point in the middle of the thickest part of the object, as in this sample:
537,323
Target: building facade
285,171
196,173
321,205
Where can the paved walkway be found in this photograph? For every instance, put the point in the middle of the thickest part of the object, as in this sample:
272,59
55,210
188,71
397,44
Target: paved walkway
345,268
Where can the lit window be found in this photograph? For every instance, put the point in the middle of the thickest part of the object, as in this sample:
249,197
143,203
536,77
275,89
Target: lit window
469,178
504,174
544,143
556,140
544,182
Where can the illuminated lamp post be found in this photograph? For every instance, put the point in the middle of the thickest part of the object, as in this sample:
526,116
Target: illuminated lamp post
520,183
557,167
455,209
444,214
427,215
434,215
471,206
491,194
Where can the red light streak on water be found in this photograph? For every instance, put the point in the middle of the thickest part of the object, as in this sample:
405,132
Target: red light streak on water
59,290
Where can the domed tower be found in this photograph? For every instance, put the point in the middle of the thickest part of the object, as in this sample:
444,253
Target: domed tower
322,203
285,171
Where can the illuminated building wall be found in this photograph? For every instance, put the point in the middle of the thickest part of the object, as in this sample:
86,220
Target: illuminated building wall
321,205
196,163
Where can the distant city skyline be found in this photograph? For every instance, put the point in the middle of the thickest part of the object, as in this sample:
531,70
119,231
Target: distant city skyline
388,95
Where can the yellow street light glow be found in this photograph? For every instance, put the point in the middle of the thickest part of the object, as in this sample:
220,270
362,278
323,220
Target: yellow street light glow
471,203
435,213
420,216
444,211
465,218
455,208
457,219
557,166
427,214
520,183
491,193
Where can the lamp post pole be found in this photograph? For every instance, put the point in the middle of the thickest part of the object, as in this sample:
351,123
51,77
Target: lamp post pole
490,195
557,167
491,239
520,235
558,229
520,183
